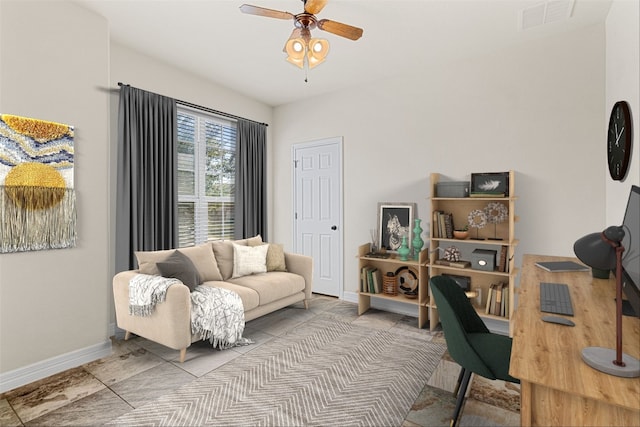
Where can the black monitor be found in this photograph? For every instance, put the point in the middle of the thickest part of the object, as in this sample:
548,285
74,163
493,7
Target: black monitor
631,255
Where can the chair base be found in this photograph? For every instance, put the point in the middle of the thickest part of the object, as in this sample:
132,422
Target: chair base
460,391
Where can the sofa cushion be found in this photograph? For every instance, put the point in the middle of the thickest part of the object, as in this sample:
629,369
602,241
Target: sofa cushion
249,260
272,286
179,266
201,256
250,298
223,250
275,256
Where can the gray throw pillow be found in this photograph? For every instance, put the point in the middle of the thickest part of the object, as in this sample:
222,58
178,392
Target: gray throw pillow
180,267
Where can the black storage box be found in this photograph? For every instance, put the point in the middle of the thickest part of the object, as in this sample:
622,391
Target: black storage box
483,259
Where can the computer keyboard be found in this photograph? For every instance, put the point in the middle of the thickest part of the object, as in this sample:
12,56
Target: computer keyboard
555,298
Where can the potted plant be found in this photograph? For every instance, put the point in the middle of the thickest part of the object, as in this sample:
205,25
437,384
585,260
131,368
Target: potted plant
461,233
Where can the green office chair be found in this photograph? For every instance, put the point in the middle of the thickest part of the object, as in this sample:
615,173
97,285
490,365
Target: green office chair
469,342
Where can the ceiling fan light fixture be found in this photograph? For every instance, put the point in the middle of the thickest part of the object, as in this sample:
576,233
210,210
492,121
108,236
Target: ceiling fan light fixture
317,52
302,50
295,49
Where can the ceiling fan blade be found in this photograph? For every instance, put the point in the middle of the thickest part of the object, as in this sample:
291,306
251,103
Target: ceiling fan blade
337,28
262,11
314,6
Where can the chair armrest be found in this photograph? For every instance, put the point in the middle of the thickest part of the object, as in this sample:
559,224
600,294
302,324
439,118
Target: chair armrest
170,322
302,265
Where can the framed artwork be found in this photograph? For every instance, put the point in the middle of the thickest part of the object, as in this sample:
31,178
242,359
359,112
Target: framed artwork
394,221
490,184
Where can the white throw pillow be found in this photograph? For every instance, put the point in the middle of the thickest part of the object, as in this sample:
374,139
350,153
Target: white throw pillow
249,260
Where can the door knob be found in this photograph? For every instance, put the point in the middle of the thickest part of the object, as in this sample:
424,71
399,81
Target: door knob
335,227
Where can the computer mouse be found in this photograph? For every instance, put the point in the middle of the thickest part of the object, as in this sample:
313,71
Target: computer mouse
558,320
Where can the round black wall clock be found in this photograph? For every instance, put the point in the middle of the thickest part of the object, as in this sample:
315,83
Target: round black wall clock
619,140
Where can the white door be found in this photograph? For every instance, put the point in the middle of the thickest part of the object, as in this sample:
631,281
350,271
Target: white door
318,210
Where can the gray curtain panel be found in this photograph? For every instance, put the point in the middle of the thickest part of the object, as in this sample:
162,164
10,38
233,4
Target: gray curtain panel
251,180
147,192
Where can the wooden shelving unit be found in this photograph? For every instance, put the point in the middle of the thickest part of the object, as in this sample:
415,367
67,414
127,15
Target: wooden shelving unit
480,280
391,264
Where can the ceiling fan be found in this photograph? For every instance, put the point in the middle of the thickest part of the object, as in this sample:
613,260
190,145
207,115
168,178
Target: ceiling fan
301,48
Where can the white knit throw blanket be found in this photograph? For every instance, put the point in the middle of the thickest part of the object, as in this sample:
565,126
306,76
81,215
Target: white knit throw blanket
145,291
216,314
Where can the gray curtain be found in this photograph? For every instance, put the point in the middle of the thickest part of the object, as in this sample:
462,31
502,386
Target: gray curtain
251,180
147,194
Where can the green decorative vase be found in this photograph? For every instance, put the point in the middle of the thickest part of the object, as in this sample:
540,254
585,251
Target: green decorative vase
417,240
404,250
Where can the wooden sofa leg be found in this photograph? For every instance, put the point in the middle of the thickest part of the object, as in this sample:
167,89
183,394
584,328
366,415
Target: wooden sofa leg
306,304
183,354
127,335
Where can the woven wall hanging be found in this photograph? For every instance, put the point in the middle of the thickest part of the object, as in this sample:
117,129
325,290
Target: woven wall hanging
37,199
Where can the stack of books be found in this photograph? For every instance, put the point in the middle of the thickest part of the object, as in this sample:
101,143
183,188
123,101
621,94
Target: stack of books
370,280
498,300
442,225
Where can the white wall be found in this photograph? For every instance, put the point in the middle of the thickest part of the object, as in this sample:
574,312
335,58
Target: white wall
622,83
536,109
52,303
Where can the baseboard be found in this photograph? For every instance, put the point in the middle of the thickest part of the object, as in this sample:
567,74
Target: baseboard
385,304
45,368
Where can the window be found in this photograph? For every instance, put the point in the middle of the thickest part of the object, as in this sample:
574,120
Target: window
206,177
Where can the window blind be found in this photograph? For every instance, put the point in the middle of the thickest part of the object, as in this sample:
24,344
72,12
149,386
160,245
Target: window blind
206,177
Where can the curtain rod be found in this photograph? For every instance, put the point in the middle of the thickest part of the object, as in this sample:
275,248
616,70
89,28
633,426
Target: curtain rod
200,107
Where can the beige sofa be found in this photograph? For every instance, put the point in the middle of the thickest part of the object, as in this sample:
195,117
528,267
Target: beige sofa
261,293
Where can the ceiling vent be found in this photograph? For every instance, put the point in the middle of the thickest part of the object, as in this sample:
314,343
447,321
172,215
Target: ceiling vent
545,12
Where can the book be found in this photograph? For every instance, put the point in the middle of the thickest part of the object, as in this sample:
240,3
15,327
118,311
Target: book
458,264
377,281
436,224
561,266
490,296
370,283
498,302
487,195
377,255
505,301
502,266
448,226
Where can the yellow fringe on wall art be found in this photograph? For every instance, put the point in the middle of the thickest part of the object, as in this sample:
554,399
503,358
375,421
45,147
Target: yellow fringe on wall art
37,229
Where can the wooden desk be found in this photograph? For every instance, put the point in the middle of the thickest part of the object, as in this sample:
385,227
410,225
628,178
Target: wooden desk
557,387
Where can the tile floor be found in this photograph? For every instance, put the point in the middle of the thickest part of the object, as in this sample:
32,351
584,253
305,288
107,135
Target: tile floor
140,371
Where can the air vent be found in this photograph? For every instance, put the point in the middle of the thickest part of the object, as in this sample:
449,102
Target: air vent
545,12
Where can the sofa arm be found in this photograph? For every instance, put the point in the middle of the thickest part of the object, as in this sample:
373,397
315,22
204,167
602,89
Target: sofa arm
302,265
170,322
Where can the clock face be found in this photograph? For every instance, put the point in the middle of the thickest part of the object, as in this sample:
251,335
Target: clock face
619,140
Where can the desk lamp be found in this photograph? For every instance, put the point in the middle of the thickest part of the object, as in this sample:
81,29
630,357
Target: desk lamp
604,251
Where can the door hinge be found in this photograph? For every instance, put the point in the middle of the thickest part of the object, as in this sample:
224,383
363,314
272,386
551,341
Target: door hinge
295,163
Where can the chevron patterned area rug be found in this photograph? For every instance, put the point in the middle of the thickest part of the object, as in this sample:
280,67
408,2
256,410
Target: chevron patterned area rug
325,372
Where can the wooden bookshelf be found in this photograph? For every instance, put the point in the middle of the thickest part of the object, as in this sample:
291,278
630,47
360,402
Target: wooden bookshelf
459,209
392,264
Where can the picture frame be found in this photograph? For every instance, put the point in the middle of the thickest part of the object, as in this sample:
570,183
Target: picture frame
490,184
394,221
